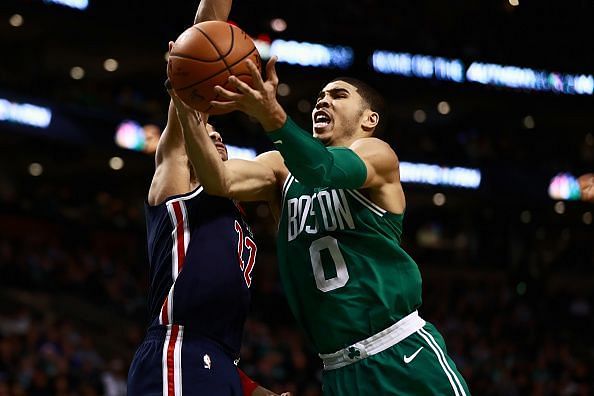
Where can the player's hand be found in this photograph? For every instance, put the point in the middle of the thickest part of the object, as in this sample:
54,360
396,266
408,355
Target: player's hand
258,101
187,116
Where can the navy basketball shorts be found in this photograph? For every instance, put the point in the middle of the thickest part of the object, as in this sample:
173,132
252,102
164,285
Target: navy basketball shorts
173,362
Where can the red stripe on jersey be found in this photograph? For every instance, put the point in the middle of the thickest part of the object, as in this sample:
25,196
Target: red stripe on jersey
170,361
240,208
180,229
164,312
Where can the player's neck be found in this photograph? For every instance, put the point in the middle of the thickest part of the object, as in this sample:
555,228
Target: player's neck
346,141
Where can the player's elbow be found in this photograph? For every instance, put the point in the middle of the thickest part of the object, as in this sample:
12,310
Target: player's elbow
261,188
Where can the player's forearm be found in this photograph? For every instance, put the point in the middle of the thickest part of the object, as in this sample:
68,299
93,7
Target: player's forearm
313,164
210,169
171,142
213,10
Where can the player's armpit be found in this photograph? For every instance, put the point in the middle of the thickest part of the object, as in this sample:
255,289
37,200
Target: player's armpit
380,160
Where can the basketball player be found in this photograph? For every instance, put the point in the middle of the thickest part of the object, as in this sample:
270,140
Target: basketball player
202,254
199,294
340,206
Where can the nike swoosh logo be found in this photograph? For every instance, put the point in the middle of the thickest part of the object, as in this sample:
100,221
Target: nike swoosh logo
408,359
278,142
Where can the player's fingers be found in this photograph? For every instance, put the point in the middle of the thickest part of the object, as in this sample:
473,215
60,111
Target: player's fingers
170,45
241,86
257,81
224,107
271,71
225,93
203,117
177,102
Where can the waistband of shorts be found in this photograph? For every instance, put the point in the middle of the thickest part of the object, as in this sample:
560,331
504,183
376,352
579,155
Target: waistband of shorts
375,344
158,333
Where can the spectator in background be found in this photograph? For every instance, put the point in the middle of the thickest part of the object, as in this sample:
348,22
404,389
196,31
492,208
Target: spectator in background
587,187
151,138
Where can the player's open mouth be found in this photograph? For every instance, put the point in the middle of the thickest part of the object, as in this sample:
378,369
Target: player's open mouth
321,119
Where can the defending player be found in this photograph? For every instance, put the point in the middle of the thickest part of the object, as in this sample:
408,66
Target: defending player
199,294
349,283
201,253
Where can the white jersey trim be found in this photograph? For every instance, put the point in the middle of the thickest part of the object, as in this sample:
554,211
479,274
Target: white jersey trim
380,212
369,202
287,185
176,368
458,389
285,190
375,344
186,197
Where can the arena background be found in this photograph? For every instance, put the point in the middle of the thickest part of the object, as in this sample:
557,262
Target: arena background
497,87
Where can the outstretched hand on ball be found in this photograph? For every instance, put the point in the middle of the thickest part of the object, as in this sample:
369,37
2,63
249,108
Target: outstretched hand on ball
258,101
188,117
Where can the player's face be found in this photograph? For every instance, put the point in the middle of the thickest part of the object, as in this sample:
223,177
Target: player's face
217,140
337,113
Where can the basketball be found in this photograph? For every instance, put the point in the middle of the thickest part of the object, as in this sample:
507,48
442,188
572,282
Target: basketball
205,55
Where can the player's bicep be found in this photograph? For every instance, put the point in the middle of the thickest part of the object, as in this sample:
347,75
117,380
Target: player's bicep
251,180
379,159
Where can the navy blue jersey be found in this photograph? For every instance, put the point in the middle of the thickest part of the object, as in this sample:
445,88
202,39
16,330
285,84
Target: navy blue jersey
201,254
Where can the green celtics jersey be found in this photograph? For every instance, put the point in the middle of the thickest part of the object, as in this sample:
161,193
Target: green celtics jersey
344,273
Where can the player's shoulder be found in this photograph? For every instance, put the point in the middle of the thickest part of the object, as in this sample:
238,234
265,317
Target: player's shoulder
375,148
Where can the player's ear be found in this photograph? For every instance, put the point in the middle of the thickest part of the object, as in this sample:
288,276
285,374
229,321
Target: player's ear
370,120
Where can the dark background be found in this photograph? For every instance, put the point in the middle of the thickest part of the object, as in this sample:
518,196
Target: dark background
507,279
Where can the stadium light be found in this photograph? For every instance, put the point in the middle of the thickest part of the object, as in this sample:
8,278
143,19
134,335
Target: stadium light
440,175
564,186
430,67
422,66
78,4
525,78
308,54
237,152
25,113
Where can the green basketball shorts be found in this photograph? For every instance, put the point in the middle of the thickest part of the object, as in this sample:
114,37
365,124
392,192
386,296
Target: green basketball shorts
417,365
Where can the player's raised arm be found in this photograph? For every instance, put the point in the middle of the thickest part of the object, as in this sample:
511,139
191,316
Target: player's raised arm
306,157
213,10
237,179
171,163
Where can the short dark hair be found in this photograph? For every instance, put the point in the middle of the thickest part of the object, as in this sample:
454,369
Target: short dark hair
370,95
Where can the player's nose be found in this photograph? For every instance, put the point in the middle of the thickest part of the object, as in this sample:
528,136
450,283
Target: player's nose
216,137
322,103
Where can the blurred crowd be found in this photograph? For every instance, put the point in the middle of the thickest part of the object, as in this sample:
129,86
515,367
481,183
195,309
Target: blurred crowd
507,337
